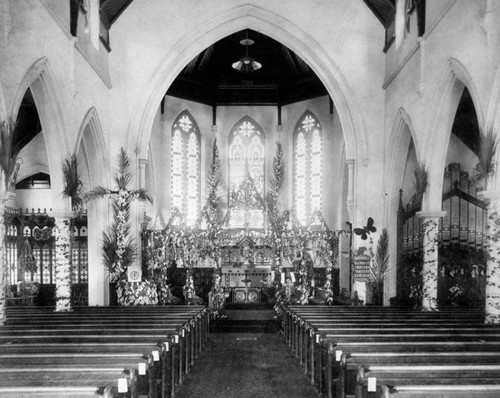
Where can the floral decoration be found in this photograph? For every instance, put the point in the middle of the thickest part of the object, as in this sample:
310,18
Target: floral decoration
63,264
430,267
118,248
136,293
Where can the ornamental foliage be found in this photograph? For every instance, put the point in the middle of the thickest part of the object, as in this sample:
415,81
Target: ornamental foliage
119,250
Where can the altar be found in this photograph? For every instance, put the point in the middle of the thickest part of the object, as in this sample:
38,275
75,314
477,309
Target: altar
246,267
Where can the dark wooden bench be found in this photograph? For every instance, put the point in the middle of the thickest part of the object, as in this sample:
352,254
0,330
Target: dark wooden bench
103,345
342,347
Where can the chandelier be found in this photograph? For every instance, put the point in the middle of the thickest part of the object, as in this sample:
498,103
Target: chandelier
246,63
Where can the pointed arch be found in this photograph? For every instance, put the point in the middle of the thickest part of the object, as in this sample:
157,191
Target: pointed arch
39,80
445,105
272,25
246,167
307,166
246,153
185,172
399,145
90,143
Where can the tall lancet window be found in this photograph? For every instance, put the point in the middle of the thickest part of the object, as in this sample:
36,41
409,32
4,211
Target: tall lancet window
246,175
185,170
308,174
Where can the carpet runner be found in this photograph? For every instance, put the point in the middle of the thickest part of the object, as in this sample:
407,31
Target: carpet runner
247,365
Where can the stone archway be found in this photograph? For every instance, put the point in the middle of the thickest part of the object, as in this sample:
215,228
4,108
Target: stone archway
438,135
38,79
90,150
401,136
272,25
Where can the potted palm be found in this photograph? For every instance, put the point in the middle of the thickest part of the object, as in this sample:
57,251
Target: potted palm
378,268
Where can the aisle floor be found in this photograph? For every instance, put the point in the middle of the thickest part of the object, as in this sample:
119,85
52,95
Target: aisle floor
247,365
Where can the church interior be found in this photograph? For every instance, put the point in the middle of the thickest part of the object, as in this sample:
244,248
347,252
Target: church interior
238,198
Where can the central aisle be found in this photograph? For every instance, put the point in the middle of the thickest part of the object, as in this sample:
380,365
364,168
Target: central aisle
247,365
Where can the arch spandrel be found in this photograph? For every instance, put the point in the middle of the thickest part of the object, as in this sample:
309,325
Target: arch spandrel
39,80
444,109
272,25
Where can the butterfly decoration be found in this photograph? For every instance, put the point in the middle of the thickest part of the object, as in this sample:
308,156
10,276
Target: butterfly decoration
365,231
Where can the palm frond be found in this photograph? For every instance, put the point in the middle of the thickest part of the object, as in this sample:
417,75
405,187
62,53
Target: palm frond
123,175
421,182
72,182
97,193
275,188
381,259
142,194
8,151
109,248
486,154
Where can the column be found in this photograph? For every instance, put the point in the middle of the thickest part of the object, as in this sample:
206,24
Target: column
430,229
492,305
63,260
5,199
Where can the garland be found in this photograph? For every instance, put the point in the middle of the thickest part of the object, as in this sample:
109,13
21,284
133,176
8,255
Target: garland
63,265
136,293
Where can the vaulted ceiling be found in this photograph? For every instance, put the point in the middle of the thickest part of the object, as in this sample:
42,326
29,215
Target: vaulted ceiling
283,79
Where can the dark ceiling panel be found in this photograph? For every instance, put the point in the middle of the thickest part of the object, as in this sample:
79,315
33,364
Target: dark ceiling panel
383,9
112,9
279,81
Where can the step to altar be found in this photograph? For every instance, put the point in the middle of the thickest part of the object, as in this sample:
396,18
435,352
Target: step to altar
251,318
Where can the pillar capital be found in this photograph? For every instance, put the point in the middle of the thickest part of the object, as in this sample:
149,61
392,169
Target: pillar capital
490,197
431,214
62,214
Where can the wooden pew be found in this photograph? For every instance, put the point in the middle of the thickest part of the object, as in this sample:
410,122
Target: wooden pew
317,336
176,334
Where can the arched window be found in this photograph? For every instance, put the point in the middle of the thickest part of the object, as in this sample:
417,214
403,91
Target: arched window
308,168
185,170
246,175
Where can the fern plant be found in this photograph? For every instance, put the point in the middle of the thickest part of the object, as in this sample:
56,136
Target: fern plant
486,153
9,152
421,182
378,269
72,182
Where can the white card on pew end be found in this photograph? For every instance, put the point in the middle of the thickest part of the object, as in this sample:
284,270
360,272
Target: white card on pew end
372,384
317,339
338,355
167,346
156,355
292,277
142,368
176,338
282,278
122,385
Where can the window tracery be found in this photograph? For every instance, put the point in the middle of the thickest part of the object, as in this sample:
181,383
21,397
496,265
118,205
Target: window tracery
308,172
246,175
185,168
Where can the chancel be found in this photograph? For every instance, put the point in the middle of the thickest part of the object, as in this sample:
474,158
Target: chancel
245,198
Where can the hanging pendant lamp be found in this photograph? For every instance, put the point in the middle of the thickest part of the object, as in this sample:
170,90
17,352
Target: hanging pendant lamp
246,63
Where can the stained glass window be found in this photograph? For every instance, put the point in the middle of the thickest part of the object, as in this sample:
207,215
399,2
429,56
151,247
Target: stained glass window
185,168
308,172
246,175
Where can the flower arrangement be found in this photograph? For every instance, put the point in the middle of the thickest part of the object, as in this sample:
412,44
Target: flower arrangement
118,248
136,293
